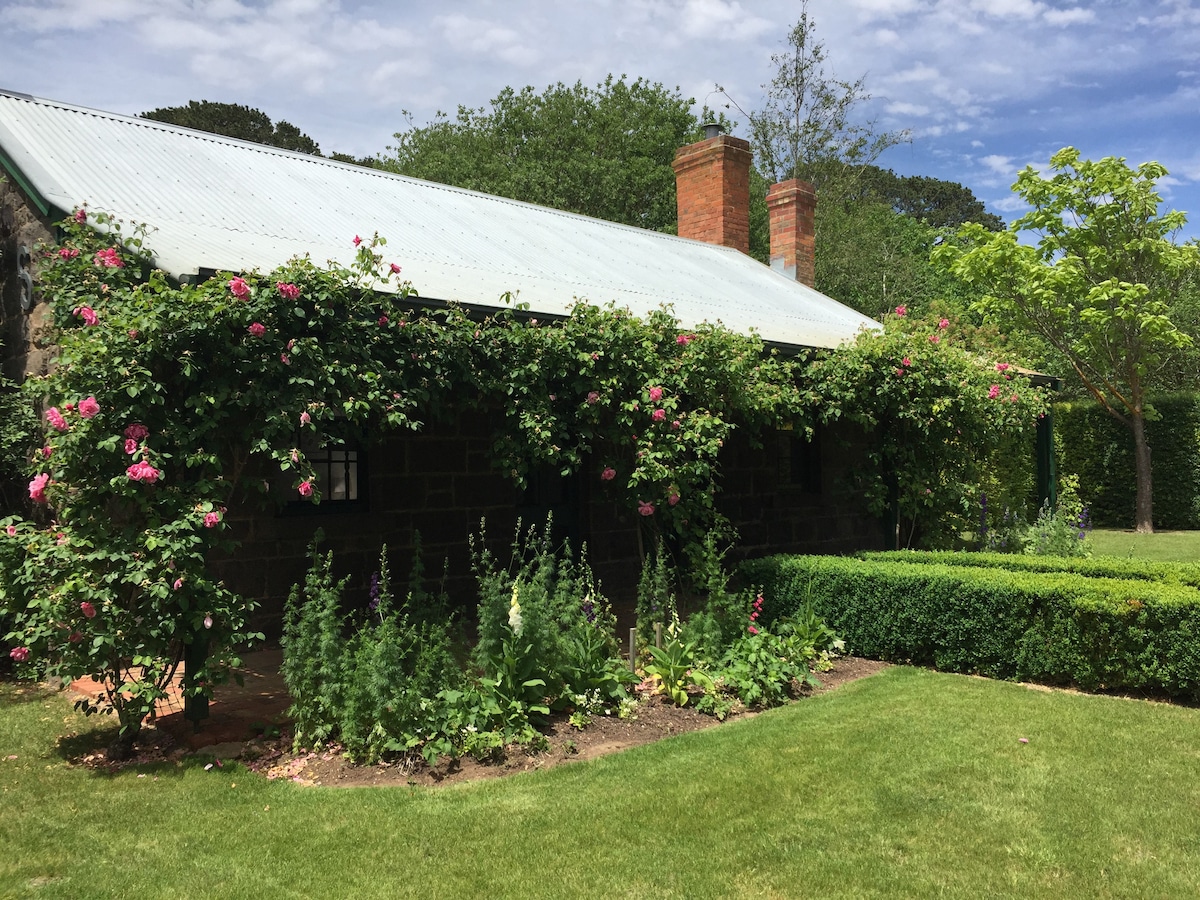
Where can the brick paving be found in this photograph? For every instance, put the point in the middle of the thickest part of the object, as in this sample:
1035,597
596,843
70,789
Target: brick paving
236,712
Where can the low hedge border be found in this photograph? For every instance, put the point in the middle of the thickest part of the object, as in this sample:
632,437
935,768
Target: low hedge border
1052,627
1091,566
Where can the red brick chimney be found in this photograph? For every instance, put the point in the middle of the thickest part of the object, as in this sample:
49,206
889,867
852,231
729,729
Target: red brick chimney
791,206
712,186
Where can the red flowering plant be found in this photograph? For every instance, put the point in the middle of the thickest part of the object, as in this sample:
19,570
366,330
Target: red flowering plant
157,402
938,427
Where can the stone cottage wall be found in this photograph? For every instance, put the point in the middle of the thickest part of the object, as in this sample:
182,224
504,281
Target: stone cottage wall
21,225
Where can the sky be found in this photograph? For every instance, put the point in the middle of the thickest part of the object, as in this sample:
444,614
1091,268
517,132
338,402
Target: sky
985,87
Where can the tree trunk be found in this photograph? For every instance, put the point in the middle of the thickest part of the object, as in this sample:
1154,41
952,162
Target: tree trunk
1144,507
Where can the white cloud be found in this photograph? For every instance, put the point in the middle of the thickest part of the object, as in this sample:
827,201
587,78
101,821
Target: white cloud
721,20
1075,16
1001,165
902,108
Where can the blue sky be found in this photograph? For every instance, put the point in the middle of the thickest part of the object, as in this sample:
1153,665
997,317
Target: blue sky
986,87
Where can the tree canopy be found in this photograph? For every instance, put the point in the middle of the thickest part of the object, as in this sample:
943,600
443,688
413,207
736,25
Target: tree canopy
603,151
236,121
1097,283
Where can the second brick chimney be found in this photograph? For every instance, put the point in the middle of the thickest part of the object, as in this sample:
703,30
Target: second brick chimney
792,206
712,186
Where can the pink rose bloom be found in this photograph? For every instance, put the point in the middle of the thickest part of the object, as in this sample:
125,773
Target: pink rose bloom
131,446
19,654
685,339
1014,398
87,609
178,583
673,499
57,422
11,530
137,431
109,258
593,398
61,539
81,216
655,394
144,472
212,519
257,329
752,629
934,338
283,358
906,362
993,392
357,240
74,637
305,418
395,269
47,452
902,311
88,407
238,287
645,509
608,474
37,488
287,290
133,333
305,489
1001,367
658,415
675,425
208,621
383,320
899,373
67,253
944,324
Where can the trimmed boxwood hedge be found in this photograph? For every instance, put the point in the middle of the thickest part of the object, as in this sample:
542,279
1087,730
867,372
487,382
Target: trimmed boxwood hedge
1093,567
1051,627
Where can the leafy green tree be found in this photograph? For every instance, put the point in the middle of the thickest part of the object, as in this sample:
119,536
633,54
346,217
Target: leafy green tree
603,151
942,204
236,121
1097,284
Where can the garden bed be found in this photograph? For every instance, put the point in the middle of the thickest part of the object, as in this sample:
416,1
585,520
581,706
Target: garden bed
654,719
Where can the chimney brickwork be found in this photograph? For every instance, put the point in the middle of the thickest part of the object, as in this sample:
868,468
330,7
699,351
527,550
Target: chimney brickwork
791,206
712,182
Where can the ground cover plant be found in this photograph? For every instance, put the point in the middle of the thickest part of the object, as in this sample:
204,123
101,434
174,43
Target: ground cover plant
909,783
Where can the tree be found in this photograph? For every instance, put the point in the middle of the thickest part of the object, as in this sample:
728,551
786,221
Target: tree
942,204
236,121
1097,285
805,129
603,152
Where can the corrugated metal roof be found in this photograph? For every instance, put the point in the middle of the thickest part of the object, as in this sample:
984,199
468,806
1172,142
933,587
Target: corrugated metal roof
219,203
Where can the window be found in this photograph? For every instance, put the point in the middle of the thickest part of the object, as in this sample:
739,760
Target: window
800,460
340,471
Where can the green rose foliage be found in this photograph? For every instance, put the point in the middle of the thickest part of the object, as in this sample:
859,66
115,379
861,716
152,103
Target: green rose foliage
940,421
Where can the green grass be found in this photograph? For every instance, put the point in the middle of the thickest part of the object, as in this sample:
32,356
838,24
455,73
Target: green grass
907,784
1168,546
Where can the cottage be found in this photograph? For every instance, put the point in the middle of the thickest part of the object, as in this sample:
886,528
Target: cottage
217,204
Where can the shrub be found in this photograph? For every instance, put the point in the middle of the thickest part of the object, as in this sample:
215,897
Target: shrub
1056,627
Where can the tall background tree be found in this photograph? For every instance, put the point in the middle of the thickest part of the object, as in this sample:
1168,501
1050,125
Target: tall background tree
1097,284
603,151
245,123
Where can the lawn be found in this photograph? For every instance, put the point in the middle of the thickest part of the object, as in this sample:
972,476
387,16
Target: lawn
908,783
1170,546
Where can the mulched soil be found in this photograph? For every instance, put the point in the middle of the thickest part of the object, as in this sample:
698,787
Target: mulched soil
272,756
